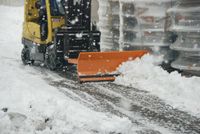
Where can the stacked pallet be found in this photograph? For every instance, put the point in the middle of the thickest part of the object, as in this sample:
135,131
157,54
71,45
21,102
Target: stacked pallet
185,21
151,34
105,25
116,22
135,24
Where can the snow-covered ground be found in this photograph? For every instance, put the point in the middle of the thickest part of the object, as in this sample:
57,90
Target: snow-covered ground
145,74
28,104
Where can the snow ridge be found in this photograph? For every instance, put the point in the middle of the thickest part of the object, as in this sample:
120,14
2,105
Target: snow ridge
145,74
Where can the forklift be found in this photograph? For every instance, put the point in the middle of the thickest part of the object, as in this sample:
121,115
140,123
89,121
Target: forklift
60,33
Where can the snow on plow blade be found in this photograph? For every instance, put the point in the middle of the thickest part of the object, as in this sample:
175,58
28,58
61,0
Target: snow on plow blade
102,66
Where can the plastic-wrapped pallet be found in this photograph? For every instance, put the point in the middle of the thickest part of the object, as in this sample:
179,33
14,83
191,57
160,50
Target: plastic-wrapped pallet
151,34
114,16
128,24
107,21
185,21
135,24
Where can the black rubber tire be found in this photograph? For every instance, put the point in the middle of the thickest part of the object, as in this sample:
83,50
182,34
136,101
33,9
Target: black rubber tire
51,58
25,56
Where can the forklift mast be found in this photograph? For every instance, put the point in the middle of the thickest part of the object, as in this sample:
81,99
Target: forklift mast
77,14
78,34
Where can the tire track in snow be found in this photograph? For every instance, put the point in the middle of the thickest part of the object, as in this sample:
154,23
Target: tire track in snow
104,102
154,109
143,109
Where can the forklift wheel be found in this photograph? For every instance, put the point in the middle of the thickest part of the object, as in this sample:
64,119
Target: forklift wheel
50,58
25,56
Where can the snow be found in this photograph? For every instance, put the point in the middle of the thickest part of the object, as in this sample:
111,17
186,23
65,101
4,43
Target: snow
29,105
179,91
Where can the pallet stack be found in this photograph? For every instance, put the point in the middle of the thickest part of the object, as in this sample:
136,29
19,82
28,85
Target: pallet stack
151,34
105,25
185,22
116,22
135,24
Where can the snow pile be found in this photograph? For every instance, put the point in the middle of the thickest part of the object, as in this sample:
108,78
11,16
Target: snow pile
28,104
181,92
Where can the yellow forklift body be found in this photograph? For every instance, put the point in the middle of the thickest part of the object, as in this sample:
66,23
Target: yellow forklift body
31,26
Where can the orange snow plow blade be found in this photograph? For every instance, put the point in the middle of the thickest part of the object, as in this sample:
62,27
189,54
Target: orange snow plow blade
102,66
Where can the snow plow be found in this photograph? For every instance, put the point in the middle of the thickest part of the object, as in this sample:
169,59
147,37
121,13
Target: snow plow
102,66
60,33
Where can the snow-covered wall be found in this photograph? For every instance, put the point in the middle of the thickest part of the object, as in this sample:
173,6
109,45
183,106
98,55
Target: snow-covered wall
12,2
